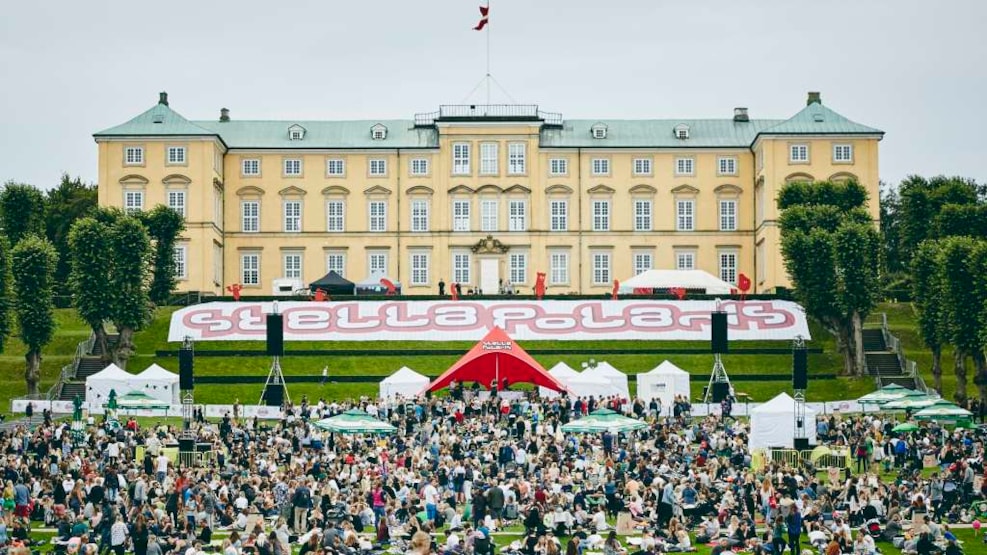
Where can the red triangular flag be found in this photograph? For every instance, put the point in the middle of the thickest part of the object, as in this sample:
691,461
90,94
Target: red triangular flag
484,11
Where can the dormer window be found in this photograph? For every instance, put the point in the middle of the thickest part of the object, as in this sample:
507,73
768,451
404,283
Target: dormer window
599,131
378,132
296,133
681,131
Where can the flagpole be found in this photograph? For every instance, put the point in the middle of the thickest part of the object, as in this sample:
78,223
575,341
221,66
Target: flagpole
488,56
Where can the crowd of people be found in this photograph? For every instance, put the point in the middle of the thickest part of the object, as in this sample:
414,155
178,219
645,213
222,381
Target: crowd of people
462,474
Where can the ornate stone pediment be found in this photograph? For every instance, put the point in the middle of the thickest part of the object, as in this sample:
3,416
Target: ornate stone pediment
489,245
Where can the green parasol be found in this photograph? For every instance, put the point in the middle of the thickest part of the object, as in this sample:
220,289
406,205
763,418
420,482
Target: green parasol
140,400
966,425
355,421
887,394
911,403
943,410
604,420
905,427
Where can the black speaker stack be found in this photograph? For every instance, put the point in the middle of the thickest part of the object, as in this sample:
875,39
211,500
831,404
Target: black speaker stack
720,391
274,395
800,368
275,335
719,339
186,361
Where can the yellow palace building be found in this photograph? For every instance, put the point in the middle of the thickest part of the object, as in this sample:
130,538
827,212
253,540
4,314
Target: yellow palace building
476,194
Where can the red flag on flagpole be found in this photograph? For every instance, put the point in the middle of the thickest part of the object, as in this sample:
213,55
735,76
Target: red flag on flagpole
484,18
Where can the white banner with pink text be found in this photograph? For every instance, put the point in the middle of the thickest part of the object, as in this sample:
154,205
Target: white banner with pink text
577,320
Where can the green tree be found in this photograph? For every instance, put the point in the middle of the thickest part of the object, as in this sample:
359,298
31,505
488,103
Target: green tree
5,296
22,211
33,263
129,281
832,254
891,230
961,220
928,296
922,200
71,200
163,225
962,323
90,261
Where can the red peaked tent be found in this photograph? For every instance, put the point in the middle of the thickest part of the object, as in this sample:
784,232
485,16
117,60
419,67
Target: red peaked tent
497,357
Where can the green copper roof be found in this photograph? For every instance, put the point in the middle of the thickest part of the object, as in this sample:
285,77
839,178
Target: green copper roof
321,134
651,133
815,119
159,120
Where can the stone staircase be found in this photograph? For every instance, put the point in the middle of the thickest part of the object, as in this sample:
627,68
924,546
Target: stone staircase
89,364
883,363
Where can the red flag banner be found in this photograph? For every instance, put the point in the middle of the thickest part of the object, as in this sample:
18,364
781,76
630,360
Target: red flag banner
484,18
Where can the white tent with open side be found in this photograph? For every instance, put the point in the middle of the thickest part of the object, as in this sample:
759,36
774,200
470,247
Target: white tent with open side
562,372
158,383
99,385
665,381
773,424
668,279
591,385
405,382
616,378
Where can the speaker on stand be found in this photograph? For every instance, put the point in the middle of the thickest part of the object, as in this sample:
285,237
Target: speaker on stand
186,383
275,335
274,393
800,382
719,383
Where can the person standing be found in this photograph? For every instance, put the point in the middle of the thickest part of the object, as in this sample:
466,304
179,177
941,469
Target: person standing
29,413
442,287
325,374
795,529
302,502
118,536
667,503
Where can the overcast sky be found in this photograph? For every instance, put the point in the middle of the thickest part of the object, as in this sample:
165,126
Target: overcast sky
916,69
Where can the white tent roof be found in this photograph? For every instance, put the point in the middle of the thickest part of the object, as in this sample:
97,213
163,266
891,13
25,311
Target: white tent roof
562,371
687,279
374,280
111,372
667,368
604,368
406,375
155,372
782,404
586,384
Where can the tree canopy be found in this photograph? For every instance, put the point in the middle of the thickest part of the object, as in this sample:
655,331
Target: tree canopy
22,211
33,263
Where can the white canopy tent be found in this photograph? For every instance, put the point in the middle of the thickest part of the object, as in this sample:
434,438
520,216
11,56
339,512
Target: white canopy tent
99,385
158,383
616,378
562,372
773,423
665,382
371,285
589,385
686,279
405,382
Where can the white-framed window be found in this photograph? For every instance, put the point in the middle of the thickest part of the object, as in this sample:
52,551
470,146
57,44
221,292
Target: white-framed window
843,153
684,166
685,260
728,215
798,153
558,166
643,261
217,264
518,263
600,166
517,158
559,215
295,135
335,216
250,269
250,216
642,166
601,215
460,158
335,167
176,155
377,262
728,267
726,165
419,268
133,201
419,215
517,215
488,215
558,268
378,215
642,215
292,216
293,166
217,207
599,131
176,201
489,161
181,268
601,268
336,262
460,215
250,166
133,155
685,215
419,166
292,265
461,265
378,133
378,166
